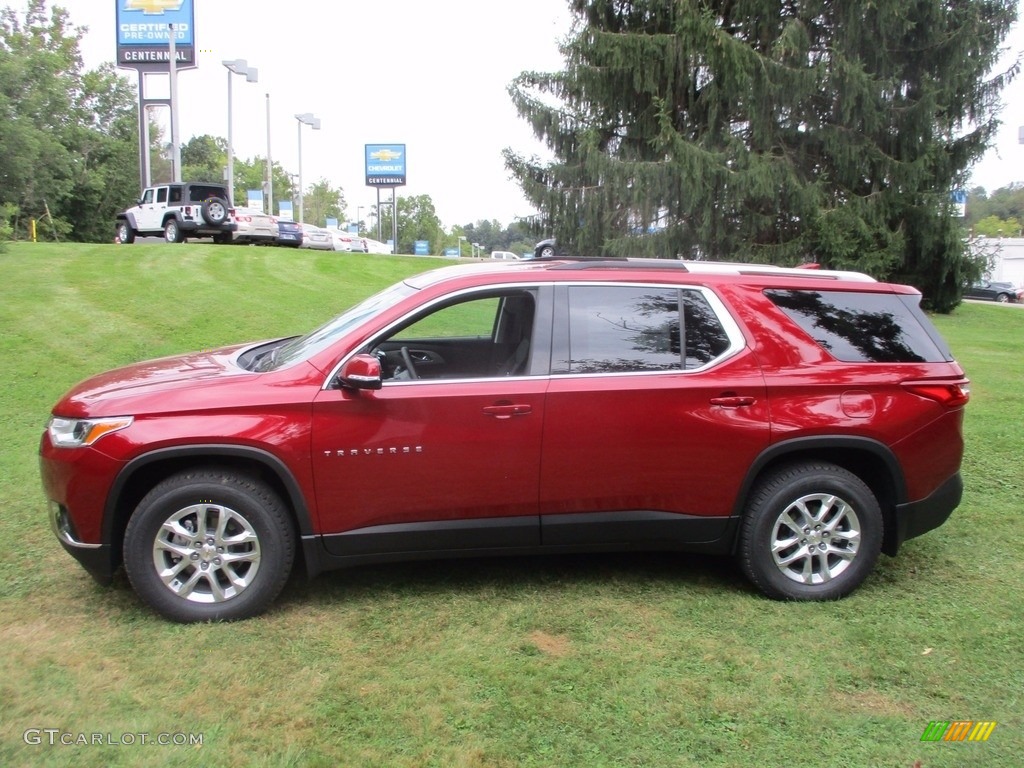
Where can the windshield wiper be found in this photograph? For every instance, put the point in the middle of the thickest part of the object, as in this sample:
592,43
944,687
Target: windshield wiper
265,360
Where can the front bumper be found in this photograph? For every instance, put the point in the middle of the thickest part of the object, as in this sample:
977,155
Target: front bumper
97,559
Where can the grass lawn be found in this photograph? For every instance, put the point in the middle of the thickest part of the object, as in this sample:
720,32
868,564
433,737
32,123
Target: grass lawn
660,660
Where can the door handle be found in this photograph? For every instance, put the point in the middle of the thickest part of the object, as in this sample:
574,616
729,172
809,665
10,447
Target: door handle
732,401
507,411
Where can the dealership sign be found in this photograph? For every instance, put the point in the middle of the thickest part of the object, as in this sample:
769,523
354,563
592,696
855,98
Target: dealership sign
385,165
144,34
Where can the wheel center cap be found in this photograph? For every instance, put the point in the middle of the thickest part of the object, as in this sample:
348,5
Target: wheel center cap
207,553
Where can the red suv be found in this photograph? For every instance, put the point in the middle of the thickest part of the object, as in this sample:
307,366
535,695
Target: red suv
801,420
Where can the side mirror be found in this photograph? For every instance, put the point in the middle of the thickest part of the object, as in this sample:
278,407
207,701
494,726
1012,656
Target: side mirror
361,372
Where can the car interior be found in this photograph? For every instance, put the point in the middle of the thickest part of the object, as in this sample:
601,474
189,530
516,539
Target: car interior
482,336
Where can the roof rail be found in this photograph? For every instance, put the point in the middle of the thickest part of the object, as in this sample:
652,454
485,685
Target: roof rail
700,267
617,263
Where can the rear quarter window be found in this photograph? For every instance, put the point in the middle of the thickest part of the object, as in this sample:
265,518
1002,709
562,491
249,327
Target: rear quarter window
859,327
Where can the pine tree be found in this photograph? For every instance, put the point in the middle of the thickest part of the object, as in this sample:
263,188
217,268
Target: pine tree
774,131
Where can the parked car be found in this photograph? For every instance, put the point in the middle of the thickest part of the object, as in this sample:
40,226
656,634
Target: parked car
344,241
179,211
801,420
995,291
505,256
545,249
254,227
376,246
359,243
316,238
289,233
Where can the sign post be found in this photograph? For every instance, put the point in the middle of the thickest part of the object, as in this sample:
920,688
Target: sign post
386,168
145,44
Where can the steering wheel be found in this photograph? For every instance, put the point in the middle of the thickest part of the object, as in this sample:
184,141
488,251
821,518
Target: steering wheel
407,359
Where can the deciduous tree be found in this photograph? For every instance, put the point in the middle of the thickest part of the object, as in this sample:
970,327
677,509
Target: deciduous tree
417,220
68,151
322,202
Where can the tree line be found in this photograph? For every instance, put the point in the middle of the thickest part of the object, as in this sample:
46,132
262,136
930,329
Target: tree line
68,137
1000,214
756,131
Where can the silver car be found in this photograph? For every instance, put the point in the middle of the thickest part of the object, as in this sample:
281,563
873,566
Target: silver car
254,226
316,238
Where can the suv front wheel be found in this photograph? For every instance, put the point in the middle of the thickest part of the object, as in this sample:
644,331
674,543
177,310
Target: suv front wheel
812,531
209,545
125,233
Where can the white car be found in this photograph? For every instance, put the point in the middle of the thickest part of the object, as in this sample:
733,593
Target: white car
505,255
316,238
345,241
376,246
254,226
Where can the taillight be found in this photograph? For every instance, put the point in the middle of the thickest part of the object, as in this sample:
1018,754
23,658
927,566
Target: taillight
948,394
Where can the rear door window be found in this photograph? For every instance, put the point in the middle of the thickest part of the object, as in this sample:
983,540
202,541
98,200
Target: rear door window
629,329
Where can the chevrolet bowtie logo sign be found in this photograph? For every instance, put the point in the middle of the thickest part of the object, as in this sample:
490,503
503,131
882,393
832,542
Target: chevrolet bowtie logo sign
385,155
153,7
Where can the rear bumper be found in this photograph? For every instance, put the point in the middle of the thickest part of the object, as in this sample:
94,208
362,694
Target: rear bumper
193,227
919,517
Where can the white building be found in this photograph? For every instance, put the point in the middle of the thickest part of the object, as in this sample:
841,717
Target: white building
1007,258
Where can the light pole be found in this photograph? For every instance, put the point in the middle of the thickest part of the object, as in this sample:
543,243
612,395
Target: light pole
461,238
236,67
270,166
359,218
306,118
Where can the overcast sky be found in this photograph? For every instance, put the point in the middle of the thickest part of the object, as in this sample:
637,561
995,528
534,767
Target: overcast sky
430,75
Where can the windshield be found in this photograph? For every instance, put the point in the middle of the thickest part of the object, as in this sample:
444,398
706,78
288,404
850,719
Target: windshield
304,347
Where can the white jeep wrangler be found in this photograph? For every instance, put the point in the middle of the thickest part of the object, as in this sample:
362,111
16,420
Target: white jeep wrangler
178,211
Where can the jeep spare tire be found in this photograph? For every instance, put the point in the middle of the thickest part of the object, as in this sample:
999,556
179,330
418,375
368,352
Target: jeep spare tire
214,211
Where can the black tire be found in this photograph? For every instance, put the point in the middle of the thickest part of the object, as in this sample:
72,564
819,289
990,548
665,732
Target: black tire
124,232
812,531
1003,298
237,536
172,232
214,211
546,252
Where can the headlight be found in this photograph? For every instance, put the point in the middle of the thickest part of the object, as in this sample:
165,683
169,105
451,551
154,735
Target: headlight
73,433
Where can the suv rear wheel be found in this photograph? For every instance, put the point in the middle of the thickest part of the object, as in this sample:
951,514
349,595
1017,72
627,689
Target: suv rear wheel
172,232
209,545
812,531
